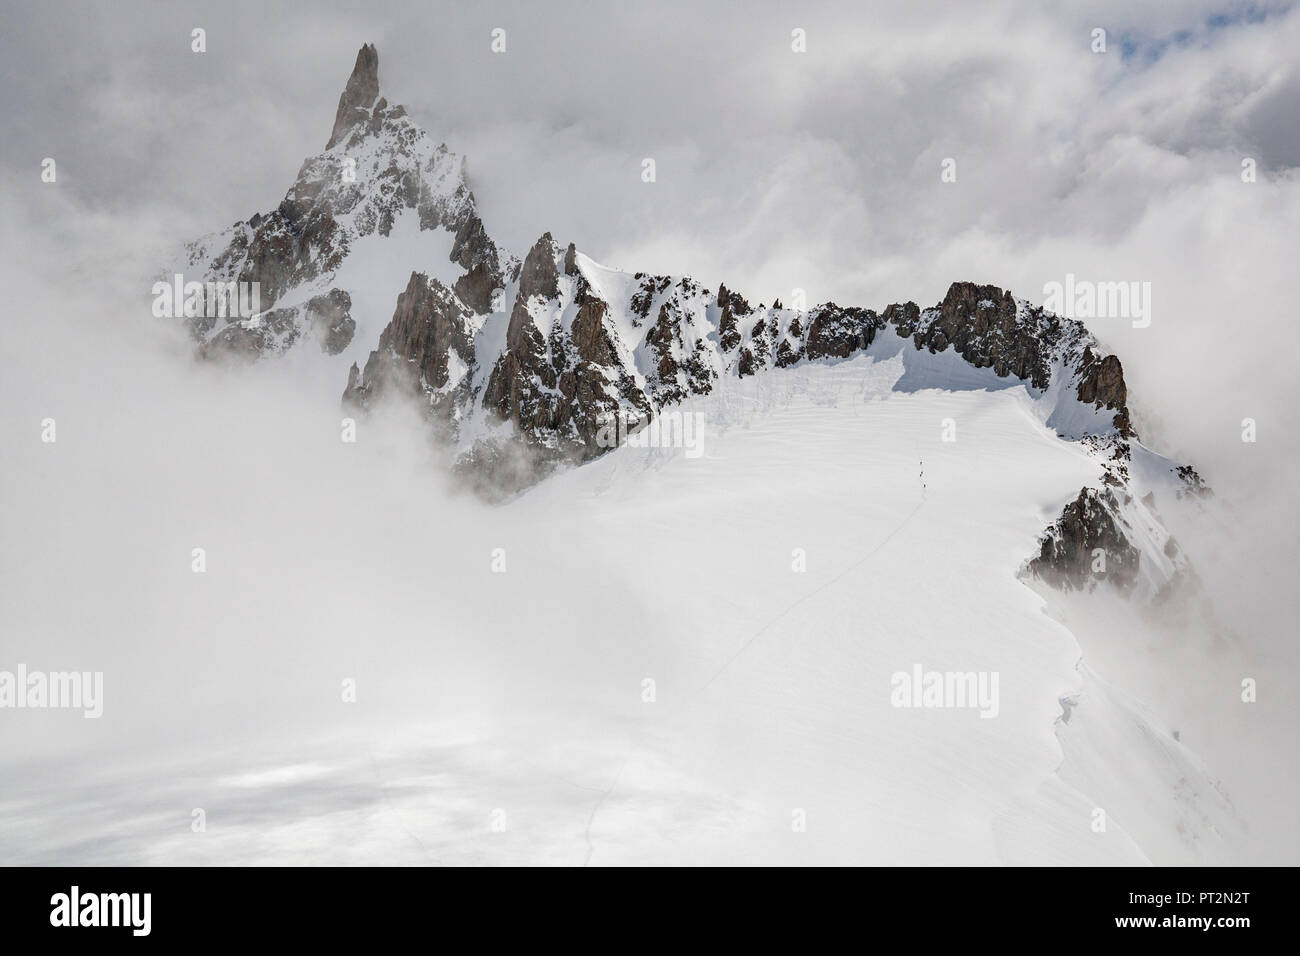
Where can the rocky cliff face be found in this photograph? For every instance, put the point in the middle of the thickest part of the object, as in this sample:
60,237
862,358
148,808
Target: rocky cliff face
359,95
325,319
582,341
1087,543
425,353
377,167
520,364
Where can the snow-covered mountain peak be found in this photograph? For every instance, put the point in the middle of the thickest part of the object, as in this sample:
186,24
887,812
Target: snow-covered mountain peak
522,366
378,169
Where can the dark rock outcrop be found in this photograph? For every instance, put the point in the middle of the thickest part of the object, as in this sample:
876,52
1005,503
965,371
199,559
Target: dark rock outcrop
733,307
1065,559
428,333
576,350
1193,483
1101,384
539,275
359,95
477,287
377,168
331,321
984,325
838,333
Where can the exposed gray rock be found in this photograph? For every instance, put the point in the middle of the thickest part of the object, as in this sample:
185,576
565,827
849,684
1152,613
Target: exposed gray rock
416,350
565,361
539,275
1065,558
733,307
1101,384
359,95
330,320
378,166
838,333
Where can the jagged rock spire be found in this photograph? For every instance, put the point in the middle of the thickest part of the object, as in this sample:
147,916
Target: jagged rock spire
359,95
540,275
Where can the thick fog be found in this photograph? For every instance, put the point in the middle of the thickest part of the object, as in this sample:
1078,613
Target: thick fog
775,170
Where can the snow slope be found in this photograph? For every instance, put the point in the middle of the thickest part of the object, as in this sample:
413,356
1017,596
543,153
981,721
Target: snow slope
668,657
519,698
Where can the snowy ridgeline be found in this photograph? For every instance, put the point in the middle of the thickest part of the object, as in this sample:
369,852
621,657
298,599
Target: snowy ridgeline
842,497
651,658
381,281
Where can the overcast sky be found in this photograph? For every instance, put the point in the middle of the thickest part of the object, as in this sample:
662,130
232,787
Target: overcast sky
775,169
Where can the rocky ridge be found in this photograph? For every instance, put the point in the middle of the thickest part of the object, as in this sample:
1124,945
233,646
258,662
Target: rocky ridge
520,363
377,166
